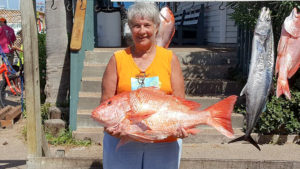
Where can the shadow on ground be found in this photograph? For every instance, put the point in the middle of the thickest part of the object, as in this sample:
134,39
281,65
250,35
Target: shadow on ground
11,163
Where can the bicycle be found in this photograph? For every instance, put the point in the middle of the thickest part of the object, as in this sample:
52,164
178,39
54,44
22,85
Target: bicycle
12,77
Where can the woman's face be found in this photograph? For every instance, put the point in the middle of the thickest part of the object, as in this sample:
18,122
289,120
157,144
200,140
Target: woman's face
143,31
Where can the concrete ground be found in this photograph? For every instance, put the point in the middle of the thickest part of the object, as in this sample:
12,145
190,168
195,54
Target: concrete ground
13,150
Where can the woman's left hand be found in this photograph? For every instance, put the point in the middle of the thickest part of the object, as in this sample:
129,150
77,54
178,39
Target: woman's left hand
181,132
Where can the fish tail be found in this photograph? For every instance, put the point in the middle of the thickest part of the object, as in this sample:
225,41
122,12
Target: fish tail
246,138
283,88
221,115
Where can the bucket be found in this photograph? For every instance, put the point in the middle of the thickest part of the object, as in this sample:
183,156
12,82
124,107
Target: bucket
109,28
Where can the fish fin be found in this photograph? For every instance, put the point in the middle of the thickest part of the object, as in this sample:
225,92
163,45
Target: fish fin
123,141
265,107
277,67
244,138
243,90
221,115
191,104
193,131
293,71
283,88
138,117
250,139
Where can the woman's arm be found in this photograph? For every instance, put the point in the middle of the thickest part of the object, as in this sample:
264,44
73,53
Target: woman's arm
177,81
109,87
109,80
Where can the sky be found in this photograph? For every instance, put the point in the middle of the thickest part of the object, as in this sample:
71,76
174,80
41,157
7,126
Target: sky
15,4
10,4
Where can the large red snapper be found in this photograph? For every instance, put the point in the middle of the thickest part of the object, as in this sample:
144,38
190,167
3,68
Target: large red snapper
288,58
149,115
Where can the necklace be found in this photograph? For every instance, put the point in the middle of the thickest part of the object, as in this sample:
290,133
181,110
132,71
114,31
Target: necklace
141,78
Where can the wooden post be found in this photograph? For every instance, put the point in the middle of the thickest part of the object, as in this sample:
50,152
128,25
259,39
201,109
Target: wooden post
32,81
77,59
78,26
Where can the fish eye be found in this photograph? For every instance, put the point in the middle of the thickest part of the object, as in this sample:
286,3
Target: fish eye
109,102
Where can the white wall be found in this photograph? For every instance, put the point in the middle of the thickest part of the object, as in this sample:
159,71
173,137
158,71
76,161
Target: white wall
219,27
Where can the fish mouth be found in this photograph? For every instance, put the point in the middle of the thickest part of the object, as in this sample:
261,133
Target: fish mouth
265,14
295,13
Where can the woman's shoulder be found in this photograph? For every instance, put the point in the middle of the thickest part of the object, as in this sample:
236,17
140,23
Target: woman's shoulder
162,49
122,55
125,51
164,52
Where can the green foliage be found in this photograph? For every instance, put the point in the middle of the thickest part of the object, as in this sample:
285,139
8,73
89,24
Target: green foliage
24,113
24,132
45,111
42,63
281,116
246,13
65,138
240,109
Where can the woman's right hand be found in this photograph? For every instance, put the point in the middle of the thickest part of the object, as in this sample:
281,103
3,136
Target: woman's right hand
113,131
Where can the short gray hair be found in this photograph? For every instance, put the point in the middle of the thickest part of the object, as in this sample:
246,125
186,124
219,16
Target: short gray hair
144,9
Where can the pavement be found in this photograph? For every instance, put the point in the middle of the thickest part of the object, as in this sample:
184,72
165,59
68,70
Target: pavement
13,148
13,153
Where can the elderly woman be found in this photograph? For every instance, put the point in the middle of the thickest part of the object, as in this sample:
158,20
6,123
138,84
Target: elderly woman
143,64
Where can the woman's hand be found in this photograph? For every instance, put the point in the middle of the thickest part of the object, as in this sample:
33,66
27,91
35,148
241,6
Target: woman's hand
181,132
113,131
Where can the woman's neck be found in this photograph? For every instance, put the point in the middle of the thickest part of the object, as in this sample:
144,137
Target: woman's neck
143,51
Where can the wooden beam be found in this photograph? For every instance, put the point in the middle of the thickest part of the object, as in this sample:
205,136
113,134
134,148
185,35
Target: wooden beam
78,26
32,81
16,111
4,111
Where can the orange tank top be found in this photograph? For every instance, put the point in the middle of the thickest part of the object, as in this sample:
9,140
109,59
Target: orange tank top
158,74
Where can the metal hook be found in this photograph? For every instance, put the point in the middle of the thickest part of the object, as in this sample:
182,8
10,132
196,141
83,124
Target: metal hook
81,5
53,5
69,5
221,6
97,8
